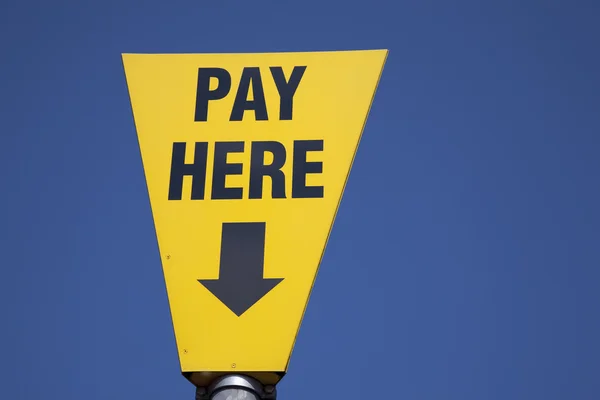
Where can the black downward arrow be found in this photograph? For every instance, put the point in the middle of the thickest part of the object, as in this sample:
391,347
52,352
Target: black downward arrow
241,283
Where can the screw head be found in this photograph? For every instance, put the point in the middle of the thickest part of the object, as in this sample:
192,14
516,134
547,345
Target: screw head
233,365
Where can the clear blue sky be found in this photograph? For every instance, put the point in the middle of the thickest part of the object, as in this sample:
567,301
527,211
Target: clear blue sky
464,262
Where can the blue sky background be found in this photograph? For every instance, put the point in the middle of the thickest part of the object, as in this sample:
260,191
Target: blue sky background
464,262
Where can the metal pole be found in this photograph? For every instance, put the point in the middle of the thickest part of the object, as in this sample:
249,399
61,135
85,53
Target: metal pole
236,387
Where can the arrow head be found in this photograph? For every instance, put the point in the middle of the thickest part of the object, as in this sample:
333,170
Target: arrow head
238,295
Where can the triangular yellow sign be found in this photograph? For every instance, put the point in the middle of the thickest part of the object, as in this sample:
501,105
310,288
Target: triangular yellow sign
246,157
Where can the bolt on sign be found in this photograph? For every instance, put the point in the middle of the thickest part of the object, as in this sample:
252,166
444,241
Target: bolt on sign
246,157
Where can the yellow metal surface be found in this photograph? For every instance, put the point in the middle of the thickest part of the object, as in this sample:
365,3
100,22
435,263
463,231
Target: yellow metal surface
331,103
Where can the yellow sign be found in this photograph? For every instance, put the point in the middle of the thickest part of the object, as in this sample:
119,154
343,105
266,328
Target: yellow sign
246,157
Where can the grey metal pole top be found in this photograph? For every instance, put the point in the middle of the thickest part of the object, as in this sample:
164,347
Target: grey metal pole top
236,387
234,394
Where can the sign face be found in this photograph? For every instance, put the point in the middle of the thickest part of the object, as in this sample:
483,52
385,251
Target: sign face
246,157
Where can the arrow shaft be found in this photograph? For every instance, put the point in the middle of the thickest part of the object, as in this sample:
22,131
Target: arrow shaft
242,251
